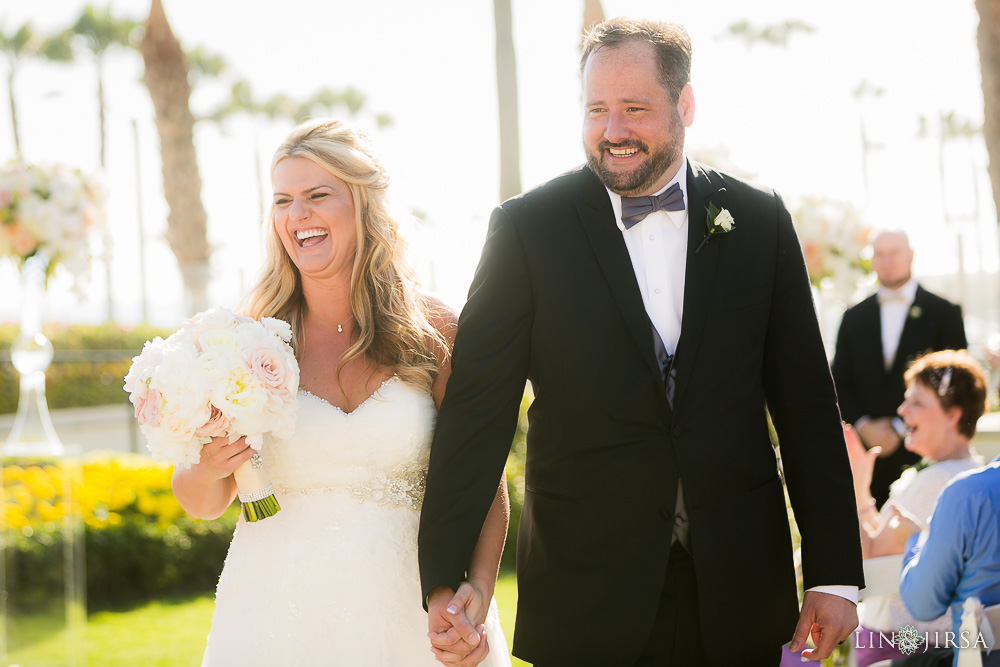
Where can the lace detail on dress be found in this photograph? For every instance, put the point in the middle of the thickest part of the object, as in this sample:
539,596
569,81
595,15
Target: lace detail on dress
375,394
402,486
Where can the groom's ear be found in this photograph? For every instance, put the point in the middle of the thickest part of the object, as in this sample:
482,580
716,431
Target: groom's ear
685,105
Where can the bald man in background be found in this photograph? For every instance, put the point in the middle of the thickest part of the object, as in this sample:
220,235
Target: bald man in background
879,338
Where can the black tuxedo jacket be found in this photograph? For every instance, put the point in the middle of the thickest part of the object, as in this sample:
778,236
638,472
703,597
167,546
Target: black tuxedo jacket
555,300
865,387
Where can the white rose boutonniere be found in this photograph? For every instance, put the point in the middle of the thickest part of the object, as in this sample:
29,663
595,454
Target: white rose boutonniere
719,221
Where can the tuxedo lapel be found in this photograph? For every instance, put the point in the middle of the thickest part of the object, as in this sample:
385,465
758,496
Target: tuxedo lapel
598,219
908,339
872,325
699,273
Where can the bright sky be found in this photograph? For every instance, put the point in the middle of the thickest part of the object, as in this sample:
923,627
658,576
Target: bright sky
784,114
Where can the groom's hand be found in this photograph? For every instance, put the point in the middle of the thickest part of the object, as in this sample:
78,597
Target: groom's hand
829,618
455,640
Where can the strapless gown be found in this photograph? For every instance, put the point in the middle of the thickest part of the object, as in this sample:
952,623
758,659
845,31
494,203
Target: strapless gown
332,578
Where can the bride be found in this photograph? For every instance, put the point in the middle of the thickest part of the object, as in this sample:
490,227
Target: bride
332,578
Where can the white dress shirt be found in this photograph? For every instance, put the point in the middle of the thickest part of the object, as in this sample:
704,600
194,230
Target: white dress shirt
894,306
658,248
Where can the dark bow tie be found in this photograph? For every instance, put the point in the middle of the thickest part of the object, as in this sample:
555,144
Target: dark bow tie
635,209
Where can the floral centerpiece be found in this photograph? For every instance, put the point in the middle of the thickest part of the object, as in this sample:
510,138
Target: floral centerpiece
50,211
221,375
834,239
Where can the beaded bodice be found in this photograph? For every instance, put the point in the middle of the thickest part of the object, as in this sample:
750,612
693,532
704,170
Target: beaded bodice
378,452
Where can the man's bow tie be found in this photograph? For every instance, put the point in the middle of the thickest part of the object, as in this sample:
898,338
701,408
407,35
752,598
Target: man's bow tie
634,209
888,296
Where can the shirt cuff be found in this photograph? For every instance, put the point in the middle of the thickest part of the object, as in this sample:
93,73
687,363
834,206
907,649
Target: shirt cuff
847,592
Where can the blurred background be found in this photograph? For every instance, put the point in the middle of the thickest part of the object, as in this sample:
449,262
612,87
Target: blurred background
863,115
877,106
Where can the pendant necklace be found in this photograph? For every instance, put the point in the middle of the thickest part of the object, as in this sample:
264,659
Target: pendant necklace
340,327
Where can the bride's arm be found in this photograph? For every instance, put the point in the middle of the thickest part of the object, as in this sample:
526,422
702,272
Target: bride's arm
207,488
485,564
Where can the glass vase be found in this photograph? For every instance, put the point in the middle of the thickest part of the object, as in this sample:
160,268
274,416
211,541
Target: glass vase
42,601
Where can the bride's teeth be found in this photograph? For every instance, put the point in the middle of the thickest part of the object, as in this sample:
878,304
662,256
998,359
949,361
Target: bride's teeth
309,233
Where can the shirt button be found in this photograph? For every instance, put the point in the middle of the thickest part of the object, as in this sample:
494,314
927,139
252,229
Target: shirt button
652,238
678,520
657,290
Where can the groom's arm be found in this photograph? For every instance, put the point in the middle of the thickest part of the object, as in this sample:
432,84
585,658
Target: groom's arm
803,405
479,413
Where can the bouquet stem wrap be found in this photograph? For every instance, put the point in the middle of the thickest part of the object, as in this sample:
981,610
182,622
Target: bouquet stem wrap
255,490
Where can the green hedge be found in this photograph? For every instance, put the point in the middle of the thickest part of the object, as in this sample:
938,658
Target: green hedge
73,384
139,544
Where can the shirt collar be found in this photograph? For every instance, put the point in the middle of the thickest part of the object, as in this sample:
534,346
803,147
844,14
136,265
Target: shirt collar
678,218
907,292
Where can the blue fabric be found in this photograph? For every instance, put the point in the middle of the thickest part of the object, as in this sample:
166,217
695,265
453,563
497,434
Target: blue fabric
959,556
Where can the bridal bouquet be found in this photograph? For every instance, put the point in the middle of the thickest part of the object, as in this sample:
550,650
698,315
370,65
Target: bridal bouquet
221,375
49,210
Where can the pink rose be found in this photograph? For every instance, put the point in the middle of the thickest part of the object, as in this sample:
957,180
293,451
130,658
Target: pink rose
147,408
268,366
217,425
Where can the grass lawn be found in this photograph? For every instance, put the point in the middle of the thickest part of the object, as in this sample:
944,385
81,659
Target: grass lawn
172,632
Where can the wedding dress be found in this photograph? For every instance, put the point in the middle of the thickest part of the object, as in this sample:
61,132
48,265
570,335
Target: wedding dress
332,578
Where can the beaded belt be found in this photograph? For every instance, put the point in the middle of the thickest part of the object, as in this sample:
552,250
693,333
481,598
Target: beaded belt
403,487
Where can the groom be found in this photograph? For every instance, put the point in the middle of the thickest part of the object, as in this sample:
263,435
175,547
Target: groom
654,331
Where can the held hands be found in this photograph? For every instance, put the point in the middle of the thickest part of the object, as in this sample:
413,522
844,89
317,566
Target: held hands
903,524
455,621
830,619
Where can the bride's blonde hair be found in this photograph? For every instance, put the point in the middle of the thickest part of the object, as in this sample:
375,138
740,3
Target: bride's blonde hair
392,319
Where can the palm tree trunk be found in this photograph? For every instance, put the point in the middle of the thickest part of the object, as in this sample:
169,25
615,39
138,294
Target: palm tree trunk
100,111
13,110
989,64
166,77
593,14
510,139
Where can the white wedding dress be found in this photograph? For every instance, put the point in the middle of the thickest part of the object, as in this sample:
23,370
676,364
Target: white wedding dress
332,578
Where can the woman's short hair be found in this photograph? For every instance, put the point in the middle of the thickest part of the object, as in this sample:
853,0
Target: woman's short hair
957,380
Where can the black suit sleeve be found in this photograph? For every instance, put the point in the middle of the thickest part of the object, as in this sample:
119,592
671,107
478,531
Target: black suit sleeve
478,416
803,405
843,374
953,332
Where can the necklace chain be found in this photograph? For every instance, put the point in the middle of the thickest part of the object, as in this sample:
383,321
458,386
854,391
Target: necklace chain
340,327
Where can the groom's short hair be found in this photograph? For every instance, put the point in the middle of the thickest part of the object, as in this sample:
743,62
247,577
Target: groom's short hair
670,42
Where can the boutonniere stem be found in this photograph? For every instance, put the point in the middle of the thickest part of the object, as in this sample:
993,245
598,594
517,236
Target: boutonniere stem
719,221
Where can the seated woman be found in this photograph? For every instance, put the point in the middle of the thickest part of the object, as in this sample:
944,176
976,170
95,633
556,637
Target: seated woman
945,396
956,558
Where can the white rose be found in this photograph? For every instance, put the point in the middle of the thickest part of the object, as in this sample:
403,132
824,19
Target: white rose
724,220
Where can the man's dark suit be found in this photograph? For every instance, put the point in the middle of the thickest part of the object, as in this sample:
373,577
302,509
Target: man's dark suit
555,300
865,387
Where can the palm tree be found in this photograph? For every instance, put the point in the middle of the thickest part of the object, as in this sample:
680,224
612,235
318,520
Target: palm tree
776,34
988,36
25,43
593,14
166,77
510,135
99,32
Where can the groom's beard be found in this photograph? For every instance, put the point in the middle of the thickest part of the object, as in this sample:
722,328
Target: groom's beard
644,177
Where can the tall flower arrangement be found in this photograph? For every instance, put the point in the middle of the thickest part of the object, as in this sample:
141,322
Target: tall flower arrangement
49,210
834,238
